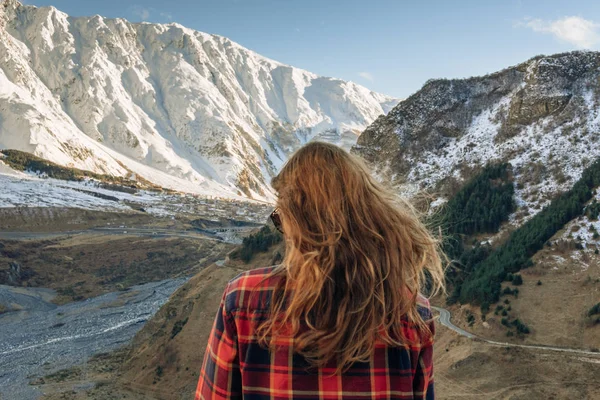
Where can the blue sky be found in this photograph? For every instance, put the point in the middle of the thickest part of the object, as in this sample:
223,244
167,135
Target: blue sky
390,46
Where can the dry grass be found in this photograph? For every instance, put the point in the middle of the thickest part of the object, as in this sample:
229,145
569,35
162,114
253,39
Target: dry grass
555,311
86,266
48,219
465,369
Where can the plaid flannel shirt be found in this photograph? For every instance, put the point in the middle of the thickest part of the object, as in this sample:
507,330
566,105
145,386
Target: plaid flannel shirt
235,366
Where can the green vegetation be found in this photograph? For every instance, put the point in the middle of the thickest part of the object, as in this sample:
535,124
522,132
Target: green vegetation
593,211
515,279
158,373
483,203
23,161
70,292
594,314
470,319
258,242
521,327
178,327
485,308
484,283
480,206
63,375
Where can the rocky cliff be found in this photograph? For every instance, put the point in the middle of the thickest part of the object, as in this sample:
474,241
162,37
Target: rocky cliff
541,116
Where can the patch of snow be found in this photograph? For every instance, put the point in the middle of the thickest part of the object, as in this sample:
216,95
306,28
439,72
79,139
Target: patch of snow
555,149
559,259
25,190
49,193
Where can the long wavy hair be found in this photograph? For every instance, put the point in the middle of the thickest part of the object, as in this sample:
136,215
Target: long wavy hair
356,259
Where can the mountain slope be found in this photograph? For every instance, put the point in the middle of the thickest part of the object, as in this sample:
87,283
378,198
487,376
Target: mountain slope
541,116
541,120
184,109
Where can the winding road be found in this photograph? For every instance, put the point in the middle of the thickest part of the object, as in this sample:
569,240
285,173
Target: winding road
445,316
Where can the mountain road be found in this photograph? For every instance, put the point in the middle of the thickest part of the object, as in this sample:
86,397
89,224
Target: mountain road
445,317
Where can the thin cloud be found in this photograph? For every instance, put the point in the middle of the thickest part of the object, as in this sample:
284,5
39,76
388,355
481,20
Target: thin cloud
580,32
167,15
140,12
144,13
366,75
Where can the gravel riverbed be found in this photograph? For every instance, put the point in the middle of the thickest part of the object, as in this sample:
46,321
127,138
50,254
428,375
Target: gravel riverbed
42,338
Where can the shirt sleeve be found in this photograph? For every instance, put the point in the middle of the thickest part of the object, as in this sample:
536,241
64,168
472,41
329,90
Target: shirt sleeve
220,376
423,380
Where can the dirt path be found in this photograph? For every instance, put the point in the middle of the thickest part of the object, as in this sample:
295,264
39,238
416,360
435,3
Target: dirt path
159,233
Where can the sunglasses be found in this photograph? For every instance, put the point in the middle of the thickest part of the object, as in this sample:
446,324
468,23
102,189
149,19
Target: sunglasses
276,218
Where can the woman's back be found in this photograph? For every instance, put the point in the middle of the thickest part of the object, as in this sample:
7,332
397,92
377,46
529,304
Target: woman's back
237,366
341,317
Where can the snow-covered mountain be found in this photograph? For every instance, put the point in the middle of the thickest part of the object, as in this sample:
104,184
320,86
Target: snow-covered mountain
541,116
181,108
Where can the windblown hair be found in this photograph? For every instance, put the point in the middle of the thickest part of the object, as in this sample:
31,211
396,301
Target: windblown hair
356,259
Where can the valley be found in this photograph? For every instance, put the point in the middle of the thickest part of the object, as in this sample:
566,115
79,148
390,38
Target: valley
82,280
466,367
135,168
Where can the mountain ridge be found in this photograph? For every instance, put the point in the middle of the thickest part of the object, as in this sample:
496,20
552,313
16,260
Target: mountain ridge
540,116
118,97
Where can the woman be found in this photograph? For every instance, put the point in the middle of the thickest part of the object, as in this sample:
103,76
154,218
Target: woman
342,317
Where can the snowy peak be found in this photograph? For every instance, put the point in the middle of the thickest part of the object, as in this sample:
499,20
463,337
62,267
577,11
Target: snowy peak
163,100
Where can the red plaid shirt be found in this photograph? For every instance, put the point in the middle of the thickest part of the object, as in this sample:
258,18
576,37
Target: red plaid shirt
236,366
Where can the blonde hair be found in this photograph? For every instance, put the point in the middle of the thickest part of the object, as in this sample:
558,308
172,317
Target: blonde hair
356,259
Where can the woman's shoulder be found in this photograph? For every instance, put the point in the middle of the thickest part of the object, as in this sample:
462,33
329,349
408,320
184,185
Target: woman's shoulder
251,287
253,278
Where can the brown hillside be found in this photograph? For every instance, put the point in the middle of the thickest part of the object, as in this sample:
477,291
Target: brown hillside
555,310
168,367
469,370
